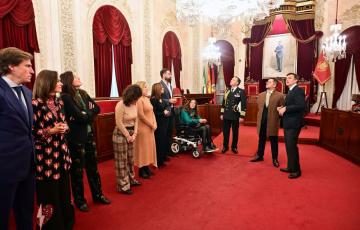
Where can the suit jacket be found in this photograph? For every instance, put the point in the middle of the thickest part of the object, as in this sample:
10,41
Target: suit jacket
16,141
79,118
273,118
166,96
293,118
230,105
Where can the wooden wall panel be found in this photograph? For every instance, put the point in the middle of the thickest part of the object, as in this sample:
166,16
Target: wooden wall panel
104,126
251,111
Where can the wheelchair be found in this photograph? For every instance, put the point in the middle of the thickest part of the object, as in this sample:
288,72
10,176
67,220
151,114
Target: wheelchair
186,139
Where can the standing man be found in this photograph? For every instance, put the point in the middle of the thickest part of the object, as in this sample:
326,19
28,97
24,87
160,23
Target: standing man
279,50
167,97
17,180
232,111
268,120
293,120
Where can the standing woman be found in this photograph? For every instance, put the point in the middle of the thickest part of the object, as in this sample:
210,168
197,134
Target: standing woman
52,157
161,114
145,148
123,138
80,112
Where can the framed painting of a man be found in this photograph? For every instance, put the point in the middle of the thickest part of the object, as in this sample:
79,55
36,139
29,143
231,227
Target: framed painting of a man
279,56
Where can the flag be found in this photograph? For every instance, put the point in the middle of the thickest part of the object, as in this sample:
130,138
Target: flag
204,78
213,80
322,70
208,80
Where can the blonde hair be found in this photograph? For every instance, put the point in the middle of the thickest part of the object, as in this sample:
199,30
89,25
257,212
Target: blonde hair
142,85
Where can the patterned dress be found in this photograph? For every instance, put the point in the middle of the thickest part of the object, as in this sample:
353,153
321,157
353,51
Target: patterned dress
52,162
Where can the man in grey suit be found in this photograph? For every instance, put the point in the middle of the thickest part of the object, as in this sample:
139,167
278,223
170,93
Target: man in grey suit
17,179
167,97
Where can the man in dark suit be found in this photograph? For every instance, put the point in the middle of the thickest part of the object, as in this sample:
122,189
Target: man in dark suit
167,97
268,120
293,120
232,110
17,180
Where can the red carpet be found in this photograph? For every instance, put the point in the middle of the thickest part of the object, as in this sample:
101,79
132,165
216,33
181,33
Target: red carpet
227,192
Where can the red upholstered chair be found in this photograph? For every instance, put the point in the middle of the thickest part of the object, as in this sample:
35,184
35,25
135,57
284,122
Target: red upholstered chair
107,106
178,95
280,86
251,87
302,83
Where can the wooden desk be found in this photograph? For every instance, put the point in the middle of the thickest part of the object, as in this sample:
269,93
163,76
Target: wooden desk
340,133
251,111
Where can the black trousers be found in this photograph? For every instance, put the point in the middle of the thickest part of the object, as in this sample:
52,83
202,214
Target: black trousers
83,155
205,132
20,197
226,132
274,140
291,138
161,139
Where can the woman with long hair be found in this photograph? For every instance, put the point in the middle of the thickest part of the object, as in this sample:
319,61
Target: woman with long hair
161,114
52,158
124,136
145,148
80,112
189,116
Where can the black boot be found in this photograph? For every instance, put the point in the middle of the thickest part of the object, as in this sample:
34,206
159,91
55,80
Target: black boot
143,174
148,171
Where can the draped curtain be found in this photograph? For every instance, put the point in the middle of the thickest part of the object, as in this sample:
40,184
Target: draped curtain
342,66
306,36
110,29
17,27
227,60
254,51
171,52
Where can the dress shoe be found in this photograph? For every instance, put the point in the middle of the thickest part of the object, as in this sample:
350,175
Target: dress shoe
83,207
143,174
257,158
276,163
127,192
224,149
135,183
286,170
234,150
102,200
294,175
148,171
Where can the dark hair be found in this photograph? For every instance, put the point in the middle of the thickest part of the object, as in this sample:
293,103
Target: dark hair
131,94
294,74
67,79
45,83
164,70
189,110
12,56
274,79
156,91
238,79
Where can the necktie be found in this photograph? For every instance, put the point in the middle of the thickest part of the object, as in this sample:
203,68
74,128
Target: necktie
18,92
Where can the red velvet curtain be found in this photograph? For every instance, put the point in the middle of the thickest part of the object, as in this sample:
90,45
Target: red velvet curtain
110,29
227,59
304,33
254,56
17,27
342,66
171,51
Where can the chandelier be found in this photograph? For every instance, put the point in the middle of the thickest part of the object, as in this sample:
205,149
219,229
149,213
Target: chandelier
334,46
223,11
211,53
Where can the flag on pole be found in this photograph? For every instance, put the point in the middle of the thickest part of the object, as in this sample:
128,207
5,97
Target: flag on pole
204,78
322,70
208,80
213,82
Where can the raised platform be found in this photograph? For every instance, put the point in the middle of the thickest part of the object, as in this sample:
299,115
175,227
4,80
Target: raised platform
308,135
313,119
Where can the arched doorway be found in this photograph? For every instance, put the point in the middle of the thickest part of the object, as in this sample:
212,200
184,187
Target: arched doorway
227,59
111,39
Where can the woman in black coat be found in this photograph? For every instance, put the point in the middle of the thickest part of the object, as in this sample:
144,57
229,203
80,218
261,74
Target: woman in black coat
161,115
80,111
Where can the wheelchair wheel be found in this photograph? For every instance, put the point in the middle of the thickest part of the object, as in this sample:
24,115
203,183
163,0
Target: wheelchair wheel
175,147
196,153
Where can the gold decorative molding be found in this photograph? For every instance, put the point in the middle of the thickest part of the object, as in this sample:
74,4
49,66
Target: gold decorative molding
297,7
319,14
67,38
350,17
40,33
147,40
170,20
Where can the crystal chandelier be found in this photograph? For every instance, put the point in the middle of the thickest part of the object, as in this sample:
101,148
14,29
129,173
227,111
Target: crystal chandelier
334,46
211,53
223,11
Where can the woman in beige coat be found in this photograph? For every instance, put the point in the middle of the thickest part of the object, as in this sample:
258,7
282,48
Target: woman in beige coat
145,147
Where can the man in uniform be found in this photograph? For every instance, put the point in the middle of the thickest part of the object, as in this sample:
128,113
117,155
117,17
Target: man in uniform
268,120
232,110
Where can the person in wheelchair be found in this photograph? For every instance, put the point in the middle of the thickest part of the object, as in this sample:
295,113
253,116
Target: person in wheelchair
190,117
